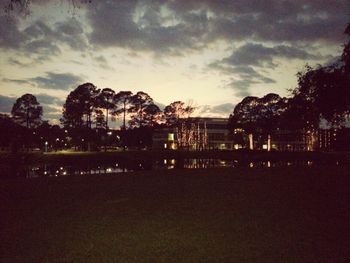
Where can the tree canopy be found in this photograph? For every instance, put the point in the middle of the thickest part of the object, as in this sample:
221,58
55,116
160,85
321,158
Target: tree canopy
27,111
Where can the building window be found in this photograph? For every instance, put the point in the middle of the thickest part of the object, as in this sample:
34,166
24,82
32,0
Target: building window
170,136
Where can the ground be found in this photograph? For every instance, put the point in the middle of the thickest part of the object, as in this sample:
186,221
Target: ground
217,215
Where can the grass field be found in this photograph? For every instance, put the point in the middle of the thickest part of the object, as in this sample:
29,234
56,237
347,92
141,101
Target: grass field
219,215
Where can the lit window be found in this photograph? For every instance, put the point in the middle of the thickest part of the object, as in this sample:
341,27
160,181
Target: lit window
170,136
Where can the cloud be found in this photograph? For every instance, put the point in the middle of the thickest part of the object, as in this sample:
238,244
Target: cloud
10,36
241,66
142,26
178,26
251,54
221,110
41,38
56,81
52,106
241,78
48,99
6,103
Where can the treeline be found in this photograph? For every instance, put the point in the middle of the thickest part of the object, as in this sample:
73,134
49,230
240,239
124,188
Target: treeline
85,123
321,99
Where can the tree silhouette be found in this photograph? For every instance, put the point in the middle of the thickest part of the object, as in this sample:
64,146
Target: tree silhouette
105,100
323,92
123,104
258,116
79,106
152,115
345,58
140,101
175,111
27,111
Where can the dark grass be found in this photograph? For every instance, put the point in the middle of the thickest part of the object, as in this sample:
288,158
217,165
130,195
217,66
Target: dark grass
217,215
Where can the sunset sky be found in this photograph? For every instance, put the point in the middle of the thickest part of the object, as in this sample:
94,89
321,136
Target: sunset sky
209,53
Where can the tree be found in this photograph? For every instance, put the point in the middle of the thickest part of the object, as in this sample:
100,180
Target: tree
140,101
176,111
27,111
123,104
79,106
345,57
258,116
323,92
244,117
105,100
152,115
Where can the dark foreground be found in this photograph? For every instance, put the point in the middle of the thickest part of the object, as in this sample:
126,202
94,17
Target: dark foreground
221,215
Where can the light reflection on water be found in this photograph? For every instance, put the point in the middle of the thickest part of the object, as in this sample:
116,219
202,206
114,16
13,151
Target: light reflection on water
52,170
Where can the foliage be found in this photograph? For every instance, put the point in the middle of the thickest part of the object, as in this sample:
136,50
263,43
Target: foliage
105,100
141,101
254,114
27,111
175,111
79,106
123,104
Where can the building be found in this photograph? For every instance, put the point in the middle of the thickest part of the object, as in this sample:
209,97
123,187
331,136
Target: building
194,134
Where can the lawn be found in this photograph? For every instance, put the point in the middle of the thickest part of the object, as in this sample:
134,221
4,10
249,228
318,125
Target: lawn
218,215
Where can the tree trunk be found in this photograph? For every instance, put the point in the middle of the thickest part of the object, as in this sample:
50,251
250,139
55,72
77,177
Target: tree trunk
107,118
124,128
251,141
27,118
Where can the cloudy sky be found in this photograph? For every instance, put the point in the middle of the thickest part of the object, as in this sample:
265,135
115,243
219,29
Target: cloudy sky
209,53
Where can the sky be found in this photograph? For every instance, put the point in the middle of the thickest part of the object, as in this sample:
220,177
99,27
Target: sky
210,54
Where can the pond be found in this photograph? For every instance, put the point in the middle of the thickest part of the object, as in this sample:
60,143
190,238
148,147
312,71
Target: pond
55,170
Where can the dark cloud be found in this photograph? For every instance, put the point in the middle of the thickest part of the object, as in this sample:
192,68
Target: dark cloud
221,110
16,62
40,38
18,81
142,26
252,54
10,36
102,62
175,26
48,99
57,81
246,76
244,61
6,103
